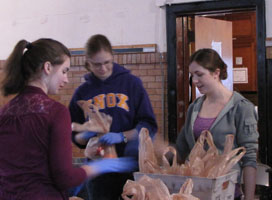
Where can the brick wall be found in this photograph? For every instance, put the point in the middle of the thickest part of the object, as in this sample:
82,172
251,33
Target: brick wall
149,67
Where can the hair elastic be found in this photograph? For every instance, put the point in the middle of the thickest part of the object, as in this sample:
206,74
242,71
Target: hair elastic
29,45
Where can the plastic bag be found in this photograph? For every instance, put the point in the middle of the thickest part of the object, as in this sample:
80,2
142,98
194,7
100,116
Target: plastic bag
204,159
185,192
170,169
95,150
147,188
134,190
147,159
97,121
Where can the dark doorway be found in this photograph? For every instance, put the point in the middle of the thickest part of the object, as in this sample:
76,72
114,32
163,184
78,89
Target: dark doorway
181,15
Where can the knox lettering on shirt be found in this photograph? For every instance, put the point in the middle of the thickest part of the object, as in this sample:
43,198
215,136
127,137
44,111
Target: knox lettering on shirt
111,100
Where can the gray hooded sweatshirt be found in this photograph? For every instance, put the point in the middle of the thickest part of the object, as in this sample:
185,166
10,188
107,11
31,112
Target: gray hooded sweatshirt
238,117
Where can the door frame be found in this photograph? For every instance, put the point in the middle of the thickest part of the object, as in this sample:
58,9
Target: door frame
187,9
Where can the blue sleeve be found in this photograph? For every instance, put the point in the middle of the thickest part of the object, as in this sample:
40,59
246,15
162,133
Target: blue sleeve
144,112
77,115
144,118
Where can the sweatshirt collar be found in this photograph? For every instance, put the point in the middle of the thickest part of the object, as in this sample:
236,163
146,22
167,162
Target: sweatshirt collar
234,99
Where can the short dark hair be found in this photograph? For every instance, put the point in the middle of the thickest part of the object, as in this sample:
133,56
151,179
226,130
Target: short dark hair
97,43
210,60
26,62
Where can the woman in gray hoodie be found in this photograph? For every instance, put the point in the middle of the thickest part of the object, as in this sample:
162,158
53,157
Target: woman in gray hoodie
222,112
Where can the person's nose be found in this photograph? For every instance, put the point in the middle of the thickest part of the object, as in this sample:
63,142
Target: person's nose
66,79
194,80
103,66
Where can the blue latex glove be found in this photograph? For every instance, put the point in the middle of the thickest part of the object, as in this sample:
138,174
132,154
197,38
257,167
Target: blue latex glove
87,135
112,138
83,137
114,165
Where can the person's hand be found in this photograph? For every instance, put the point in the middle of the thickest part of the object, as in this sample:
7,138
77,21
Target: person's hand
87,135
111,165
83,137
112,138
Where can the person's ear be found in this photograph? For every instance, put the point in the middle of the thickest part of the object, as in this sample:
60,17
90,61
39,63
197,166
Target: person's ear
217,73
87,66
47,67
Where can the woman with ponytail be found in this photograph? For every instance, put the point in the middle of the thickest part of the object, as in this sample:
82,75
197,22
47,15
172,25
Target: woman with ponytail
35,131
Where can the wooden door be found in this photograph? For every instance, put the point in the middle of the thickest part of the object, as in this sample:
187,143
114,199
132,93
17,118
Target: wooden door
194,33
216,34
185,48
244,51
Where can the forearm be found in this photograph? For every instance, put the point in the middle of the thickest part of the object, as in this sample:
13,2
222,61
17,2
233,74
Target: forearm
131,134
89,171
249,175
80,139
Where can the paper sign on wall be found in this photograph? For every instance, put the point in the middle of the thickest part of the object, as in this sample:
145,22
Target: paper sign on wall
240,75
217,46
238,60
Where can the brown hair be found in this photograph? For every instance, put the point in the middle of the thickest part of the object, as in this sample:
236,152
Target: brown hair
26,62
97,43
210,60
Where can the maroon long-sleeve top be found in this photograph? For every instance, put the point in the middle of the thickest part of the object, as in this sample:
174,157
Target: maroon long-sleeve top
36,149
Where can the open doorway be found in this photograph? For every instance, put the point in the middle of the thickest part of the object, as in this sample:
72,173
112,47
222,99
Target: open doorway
233,36
248,59
244,51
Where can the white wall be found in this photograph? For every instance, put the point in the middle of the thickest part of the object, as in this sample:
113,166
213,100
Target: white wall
125,22
72,22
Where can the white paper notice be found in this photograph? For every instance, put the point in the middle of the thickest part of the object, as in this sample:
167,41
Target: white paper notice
217,46
240,75
238,60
